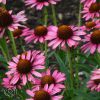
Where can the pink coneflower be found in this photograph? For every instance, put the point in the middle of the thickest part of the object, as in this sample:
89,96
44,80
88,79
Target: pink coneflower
6,83
3,1
57,78
89,25
94,82
47,93
36,35
92,42
63,35
25,66
40,3
91,11
17,33
9,21
87,2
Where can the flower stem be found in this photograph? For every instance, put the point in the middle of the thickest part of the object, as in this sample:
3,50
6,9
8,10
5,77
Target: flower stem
4,48
12,42
98,56
54,15
79,15
21,43
45,16
70,67
3,52
45,23
79,24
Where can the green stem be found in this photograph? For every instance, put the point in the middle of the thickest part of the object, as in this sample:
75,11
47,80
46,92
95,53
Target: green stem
70,67
77,76
77,67
45,16
79,15
12,42
46,49
98,58
4,48
3,52
54,14
45,23
21,43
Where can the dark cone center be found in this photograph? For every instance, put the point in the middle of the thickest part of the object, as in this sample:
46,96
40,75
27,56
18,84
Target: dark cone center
47,80
42,95
95,37
95,7
40,31
42,0
5,18
64,32
24,66
97,81
90,24
17,32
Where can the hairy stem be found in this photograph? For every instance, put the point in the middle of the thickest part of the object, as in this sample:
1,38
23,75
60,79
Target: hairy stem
4,48
70,67
54,15
12,42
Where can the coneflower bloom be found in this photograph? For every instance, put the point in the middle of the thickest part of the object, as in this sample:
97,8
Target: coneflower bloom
89,25
46,93
63,35
3,1
7,83
91,11
39,4
94,83
87,2
16,34
10,21
26,65
57,78
36,35
92,42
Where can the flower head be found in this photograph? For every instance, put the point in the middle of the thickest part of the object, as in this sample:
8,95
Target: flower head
36,35
91,11
90,25
63,35
94,82
57,78
17,33
3,1
87,2
9,21
24,66
7,83
40,3
92,42
47,93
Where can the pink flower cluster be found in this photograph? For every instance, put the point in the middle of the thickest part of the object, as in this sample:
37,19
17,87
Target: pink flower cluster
94,82
56,35
28,67
24,68
50,84
10,21
3,1
91,9
91,13
39,4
